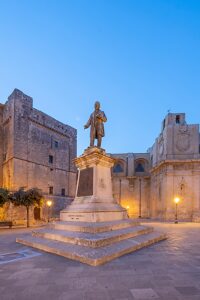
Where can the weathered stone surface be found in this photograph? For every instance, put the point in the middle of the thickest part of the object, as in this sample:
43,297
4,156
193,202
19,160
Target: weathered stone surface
94,227
91,256
28,137
90,239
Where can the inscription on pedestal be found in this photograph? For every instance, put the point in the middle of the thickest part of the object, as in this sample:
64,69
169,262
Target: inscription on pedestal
85,187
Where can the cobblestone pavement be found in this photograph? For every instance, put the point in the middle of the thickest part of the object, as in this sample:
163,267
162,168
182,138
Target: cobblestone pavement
168,270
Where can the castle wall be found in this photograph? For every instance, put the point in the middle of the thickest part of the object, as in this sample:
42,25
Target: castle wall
37,151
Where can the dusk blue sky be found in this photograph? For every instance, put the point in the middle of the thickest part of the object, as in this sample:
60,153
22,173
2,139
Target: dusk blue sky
138,58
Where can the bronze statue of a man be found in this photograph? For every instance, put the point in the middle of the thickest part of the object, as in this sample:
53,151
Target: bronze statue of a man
95,122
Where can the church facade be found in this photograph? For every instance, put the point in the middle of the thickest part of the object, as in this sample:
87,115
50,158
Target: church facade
35,151
147,184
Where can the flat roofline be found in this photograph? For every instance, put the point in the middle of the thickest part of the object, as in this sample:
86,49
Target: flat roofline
132,153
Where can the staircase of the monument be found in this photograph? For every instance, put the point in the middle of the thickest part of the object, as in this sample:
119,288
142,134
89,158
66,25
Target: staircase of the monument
92,243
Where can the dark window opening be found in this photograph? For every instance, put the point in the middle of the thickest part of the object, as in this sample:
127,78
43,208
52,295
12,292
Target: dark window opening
177,119
51,190
139,168
118,168
63,192
50,159
55,144
163,124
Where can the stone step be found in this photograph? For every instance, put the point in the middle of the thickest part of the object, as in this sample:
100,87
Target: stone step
91,239
94,227
92,256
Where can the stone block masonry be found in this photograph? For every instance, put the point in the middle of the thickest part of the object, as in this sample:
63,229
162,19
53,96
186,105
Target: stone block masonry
36,151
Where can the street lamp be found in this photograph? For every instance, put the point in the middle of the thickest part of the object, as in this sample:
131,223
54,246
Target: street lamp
140,198
176,200
120,190
49,203
127,208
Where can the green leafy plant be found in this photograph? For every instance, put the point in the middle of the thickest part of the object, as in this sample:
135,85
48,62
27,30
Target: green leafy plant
4,196
27,198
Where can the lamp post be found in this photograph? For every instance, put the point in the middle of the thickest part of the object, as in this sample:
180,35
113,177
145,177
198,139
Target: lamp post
120,190
176,200
140,197
49,203
127,208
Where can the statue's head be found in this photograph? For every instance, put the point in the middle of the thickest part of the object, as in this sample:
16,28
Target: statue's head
97,105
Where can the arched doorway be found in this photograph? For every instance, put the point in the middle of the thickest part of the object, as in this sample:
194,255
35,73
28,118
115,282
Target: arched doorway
37,212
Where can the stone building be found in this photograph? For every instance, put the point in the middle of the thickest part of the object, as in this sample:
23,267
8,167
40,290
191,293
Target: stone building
35,151
38,151
147,183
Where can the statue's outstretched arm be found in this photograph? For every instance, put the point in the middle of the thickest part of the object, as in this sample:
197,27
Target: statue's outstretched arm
88,123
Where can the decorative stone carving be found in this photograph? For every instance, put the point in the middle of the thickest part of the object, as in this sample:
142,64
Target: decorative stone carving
183,139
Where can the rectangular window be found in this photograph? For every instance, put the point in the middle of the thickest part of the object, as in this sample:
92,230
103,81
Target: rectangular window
177,119
51,190
63,192
50,159
55,144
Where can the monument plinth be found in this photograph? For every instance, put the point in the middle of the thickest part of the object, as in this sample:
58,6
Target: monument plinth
94,229
94,200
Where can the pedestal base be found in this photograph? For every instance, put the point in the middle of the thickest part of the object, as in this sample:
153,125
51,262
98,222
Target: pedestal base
93,216
94,229
92,243
94,201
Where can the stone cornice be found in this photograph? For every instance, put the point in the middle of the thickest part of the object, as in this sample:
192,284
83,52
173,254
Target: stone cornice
174,162
94,156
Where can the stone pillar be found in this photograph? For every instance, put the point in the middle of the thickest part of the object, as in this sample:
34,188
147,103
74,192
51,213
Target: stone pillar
169,193
196,196
94,200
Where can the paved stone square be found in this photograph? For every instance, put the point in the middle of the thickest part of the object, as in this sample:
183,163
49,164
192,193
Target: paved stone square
169,270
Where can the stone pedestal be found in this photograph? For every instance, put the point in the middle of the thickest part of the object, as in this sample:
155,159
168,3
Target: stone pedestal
94,229
94,200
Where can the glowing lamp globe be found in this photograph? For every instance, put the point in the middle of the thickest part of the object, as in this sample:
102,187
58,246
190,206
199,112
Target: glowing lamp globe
49,203
176,200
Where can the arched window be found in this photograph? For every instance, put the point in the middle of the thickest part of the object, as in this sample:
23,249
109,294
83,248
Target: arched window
118,168
139,167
